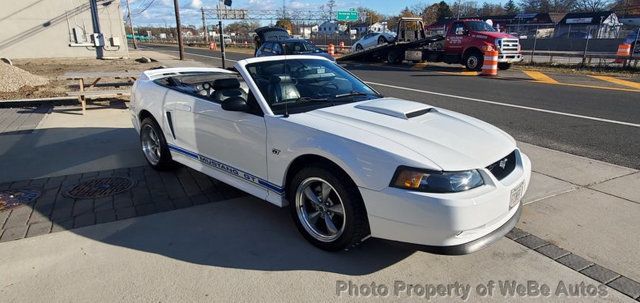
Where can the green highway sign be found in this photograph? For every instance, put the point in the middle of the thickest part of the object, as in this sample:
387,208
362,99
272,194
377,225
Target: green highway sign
351,15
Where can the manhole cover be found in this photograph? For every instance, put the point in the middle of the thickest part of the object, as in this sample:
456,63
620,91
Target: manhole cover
14,197
98,188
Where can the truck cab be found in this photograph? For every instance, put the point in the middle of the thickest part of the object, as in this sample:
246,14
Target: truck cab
466,41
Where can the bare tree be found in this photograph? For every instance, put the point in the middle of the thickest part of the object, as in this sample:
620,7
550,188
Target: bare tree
592,5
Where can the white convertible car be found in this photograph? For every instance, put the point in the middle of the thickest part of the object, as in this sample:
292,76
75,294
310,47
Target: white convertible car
350,164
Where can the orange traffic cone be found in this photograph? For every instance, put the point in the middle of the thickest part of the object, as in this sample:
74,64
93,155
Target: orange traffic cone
490,65
341,46
213,46
331,49
624,51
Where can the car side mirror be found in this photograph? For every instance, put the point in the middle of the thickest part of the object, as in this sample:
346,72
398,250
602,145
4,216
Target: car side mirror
235,104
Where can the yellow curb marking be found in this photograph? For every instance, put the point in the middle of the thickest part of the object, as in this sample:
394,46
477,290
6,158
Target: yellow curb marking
540,77
618,81
467,73
420,65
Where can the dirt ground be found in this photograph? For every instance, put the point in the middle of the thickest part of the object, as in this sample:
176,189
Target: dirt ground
54,69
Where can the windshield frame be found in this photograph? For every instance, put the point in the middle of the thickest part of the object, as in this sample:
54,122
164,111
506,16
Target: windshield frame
307,104
486,26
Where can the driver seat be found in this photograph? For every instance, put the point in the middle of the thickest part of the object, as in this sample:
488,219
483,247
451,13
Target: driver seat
224,89
281,88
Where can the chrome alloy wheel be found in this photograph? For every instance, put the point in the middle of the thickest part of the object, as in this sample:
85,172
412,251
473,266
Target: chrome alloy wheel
472,62
320,209
150,144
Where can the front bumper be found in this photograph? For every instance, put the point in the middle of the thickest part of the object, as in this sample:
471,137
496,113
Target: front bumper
454,223
510,57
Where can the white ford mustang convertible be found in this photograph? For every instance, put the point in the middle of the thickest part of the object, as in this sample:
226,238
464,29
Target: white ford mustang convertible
350,164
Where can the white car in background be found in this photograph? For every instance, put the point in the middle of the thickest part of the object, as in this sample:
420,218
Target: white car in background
350,164
373,39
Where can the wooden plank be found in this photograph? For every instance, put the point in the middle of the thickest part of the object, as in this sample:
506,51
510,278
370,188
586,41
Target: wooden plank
95,93
118,75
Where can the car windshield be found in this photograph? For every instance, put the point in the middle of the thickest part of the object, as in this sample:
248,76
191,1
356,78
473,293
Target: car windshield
300,47
479,26
300,85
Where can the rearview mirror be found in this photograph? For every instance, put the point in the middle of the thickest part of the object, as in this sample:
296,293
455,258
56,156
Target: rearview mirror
235,104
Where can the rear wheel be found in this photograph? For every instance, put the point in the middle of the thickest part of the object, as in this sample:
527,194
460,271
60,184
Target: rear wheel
395,57
327,208
358,47
504,65
474,61
154,146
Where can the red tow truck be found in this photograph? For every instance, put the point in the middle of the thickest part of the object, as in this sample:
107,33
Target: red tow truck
464,42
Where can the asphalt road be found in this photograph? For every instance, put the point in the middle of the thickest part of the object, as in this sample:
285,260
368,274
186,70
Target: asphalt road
595,123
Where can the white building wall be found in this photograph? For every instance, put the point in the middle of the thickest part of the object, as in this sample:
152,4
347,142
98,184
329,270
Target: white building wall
43,28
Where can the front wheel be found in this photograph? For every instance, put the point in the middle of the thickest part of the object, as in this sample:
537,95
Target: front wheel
327,208
474,61
382,40
154,146
504,65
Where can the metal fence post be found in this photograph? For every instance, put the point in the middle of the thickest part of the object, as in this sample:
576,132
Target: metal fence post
586,46
535,40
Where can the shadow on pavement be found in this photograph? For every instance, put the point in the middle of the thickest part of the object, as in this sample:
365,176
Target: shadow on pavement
243,233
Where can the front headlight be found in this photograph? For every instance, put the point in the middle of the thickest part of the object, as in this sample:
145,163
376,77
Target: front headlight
436,181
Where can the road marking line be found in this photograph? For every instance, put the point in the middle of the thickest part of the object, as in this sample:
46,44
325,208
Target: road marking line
618,81
464,73
507,105
540,77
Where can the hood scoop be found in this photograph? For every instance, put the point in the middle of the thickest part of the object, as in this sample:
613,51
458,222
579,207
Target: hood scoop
396,108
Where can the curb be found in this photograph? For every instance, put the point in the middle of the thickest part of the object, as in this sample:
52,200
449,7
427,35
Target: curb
37,101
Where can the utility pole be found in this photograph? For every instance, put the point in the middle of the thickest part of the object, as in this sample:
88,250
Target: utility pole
224,57
179,29
133,33
204,26
96,27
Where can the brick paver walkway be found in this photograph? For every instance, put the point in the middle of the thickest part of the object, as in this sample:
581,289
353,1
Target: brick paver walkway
152,192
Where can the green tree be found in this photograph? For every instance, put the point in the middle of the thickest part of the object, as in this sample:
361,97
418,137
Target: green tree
510,8
444,11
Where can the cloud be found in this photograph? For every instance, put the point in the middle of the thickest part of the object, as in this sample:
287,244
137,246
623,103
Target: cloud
196,4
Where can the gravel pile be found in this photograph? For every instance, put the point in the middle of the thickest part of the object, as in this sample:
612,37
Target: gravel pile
13,78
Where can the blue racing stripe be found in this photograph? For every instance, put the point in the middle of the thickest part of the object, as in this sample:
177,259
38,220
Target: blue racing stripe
230,170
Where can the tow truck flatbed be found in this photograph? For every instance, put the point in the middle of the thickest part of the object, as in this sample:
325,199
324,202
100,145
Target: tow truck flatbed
382,51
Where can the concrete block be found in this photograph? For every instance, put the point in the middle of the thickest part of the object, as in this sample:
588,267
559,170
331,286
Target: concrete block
627,187
574,262
589,223
543,186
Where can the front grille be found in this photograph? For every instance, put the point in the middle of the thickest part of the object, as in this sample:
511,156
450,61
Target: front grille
503,167
509,45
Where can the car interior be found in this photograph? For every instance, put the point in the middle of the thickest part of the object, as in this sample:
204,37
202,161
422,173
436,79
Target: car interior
216,87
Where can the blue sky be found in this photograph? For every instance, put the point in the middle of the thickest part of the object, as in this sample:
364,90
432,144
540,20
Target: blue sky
161,11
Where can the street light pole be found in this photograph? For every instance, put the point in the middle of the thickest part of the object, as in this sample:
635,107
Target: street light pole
179,29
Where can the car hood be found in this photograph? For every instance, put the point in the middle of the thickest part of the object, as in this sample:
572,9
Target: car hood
496,35
450,140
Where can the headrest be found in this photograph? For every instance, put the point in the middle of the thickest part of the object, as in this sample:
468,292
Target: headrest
226,83
281,79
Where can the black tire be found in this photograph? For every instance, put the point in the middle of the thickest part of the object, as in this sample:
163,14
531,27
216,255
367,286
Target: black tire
382,40
358,47
164,161
474,60
395,57
504,65
356,225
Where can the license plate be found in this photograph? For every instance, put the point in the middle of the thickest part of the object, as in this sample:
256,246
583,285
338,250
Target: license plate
516,195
